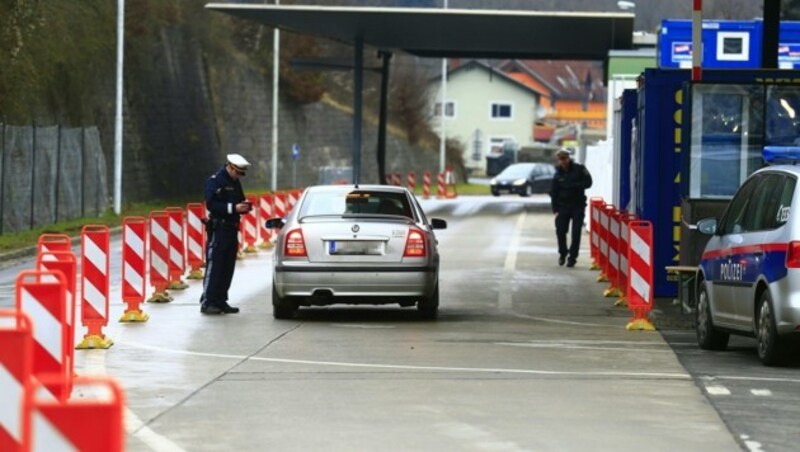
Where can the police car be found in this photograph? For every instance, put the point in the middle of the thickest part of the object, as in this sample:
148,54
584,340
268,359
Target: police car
749,277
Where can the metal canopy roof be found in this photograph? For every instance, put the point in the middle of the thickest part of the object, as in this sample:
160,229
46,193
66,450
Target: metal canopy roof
430,32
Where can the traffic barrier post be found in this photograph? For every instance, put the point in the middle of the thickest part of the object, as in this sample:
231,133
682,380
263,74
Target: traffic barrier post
450,179
195,239
280,205
159,256
240,241
53,242
603,248
622,277
411,181
88,424
291,201
16,367
134,268
65,262
94,286
441,188
613,252
264,214
42,295
426,185
594,229
640,287
250,223
177,250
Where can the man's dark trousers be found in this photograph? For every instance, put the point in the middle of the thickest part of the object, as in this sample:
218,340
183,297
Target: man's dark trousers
567,214
221,261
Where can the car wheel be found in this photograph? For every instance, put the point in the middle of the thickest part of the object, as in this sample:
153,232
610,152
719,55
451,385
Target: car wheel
770,346
429,307
527,191
281,307
495,193
708,337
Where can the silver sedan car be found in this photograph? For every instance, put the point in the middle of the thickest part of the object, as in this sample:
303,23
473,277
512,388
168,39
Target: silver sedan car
368,244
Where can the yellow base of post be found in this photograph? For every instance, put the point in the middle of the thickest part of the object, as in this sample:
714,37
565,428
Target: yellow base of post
640,325
195,274
612,292
602,278
250,249
622,302
160,297
177,285
266,245
134,317
239,255
594,266
94,341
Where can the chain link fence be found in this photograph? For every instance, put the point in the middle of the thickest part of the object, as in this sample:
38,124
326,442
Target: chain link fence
50,174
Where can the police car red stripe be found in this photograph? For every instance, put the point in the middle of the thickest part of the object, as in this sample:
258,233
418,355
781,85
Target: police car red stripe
749,249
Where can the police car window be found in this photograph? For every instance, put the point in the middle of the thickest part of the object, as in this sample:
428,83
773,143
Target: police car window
785,201
763,204
732,221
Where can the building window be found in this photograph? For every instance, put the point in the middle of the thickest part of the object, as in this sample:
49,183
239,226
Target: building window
502,110
733,46
449,109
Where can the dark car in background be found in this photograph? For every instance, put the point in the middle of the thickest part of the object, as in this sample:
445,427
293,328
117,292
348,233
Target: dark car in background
524,179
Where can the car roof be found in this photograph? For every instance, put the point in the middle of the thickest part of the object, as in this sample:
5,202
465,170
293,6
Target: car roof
784,168
371,187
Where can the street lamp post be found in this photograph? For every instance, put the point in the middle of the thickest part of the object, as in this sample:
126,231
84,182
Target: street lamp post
118,113
443,140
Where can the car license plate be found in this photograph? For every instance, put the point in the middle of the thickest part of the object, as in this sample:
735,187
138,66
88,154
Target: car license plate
355,247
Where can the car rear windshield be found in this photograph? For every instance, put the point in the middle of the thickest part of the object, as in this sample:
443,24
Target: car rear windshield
355,202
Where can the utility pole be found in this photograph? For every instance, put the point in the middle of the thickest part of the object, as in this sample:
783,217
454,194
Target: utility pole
118,114
443,141
276,53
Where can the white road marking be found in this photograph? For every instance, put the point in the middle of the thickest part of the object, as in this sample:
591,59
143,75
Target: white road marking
761,392
505,292
664,375
717,390
562,322
476,437
752,446
582,347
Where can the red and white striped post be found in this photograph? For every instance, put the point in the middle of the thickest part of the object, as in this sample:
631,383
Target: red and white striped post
441,188
16,368
64,262
450,180
697,40
195,239
177,250
159,257
411,181
426,185
624,270
264,214
250,223
603,248
594,229
53,242
640,287
280,205
134,268
240,241
42,296
94,286
612,269
87,424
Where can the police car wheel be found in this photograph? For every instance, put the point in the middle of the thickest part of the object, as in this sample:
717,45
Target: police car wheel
708,337
527,191
495,192
770,346
281,307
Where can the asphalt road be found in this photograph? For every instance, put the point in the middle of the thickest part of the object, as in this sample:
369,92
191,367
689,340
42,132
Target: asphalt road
526,355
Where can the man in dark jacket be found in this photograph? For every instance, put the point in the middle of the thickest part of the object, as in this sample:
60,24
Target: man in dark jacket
569,204
225,202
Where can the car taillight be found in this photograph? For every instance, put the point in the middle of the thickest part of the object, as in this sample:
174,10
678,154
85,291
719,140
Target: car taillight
415,244
793,255
295,244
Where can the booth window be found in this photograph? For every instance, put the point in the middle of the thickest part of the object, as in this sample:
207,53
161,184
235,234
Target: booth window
783,123
733,46
727,138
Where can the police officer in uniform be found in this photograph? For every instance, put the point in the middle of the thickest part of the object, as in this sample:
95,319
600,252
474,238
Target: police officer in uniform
225,202
569,204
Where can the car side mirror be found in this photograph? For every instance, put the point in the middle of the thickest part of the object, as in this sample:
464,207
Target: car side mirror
274,223
438,223
707,226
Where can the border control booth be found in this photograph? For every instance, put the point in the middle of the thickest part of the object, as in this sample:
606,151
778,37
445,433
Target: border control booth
694,143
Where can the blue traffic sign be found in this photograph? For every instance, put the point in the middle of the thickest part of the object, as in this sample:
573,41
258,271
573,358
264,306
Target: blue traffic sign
295,151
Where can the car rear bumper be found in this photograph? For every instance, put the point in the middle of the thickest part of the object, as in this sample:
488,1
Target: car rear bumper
357,284
786,298
508,188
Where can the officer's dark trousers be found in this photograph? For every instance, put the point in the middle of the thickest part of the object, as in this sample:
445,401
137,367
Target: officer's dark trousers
567,215
220,263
